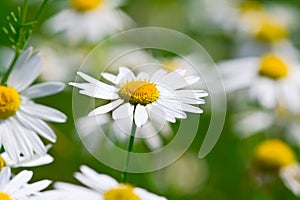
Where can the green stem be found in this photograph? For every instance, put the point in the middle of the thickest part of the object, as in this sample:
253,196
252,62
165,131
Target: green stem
25,9
40,11
130,146
6,75
18,49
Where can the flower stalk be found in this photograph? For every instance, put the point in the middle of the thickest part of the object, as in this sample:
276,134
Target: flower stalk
129,150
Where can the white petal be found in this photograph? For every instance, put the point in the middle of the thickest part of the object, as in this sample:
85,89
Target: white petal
36,125
265,91
190,108
96,82
158,75
140,115
96,91
143,76
110,77
252,122
18,181
145,195
24,74
72,192
37,161
290,176
43,112
154,142
43,89
37,186
101,181
124,111
124,75
4,177
106,108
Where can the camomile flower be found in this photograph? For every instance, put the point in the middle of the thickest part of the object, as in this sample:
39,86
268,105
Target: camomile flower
18,188
273,79
89,20
256,121
275,157
99,187
160,96
268,22
253,26
21,120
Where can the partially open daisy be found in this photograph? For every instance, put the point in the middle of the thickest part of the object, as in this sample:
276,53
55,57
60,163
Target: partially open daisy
89,20
161,96
21,120
101,187
18,188
272,79
275,157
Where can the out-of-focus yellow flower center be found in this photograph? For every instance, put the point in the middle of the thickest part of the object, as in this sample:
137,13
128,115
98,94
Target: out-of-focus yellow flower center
139,92
4,196
170,65
123,192
247,6
271,30
9,101
273,67
85,5
273,155
2,164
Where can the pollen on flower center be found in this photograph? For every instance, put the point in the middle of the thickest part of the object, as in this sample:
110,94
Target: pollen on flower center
139,92
271,30
4,196
9,102
273,67
85,5
2,164
273,155
123,192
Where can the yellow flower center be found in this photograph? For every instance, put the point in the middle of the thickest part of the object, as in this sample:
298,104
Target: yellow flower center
273,67
248,6
9,101
85,5
271,30
123,192
139,92
2,164
273,155
4,196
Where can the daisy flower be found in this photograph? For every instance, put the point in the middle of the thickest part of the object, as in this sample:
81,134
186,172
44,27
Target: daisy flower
273,79
275,157
18,187
266,121
268,22
159,97
100,187
21,120
89,20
